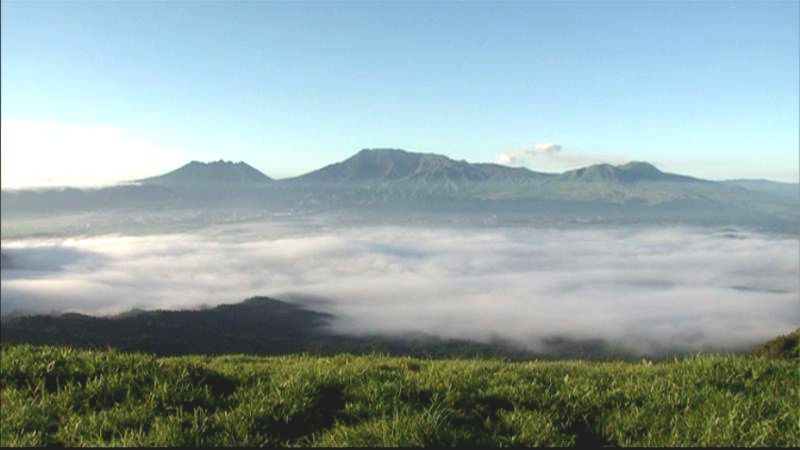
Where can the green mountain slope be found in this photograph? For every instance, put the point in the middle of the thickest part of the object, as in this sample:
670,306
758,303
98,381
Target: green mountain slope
786,346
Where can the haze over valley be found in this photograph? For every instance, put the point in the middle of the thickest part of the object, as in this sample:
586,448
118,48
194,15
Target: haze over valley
399,224
523,179
390,244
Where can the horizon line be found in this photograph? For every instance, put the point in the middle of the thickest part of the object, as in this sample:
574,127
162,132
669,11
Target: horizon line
137,182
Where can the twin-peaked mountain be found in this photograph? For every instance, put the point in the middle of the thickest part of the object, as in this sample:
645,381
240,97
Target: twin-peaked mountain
391,178
224,173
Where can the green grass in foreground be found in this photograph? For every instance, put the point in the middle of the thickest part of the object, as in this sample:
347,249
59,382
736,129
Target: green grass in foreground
53,396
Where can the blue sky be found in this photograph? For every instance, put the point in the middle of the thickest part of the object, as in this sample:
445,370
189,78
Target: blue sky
98,92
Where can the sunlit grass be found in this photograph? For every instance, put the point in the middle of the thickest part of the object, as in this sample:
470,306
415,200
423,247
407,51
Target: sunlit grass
62,396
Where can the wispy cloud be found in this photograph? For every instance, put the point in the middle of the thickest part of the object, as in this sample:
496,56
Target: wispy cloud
637,288
552,156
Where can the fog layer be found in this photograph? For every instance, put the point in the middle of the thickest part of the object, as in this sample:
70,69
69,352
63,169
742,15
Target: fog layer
644,289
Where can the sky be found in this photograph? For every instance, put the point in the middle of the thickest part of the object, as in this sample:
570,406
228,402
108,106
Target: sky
95,93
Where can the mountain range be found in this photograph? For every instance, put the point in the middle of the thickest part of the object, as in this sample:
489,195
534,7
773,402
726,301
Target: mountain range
400,168
393,178
381,166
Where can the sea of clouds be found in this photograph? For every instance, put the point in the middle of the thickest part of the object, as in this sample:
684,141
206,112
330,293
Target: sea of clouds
642,288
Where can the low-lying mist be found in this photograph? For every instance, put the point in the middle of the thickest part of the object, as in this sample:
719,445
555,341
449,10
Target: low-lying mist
645,289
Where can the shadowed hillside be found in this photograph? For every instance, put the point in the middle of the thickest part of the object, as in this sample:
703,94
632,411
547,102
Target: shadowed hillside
266,326
261,326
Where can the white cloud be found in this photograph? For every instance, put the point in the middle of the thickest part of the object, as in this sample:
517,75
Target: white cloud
505,159
639,288
548,148
57,154
550,156
524,156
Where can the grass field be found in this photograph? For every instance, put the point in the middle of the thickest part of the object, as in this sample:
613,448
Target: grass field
61,396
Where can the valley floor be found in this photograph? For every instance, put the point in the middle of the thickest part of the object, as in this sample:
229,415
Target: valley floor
62,396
